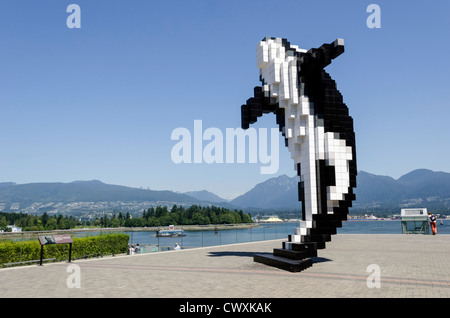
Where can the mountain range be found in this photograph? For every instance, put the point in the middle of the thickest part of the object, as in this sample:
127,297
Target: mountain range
418,188
421,187
82,191
84,198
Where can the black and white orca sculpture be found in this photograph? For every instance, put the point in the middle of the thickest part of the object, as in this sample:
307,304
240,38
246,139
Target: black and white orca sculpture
319,134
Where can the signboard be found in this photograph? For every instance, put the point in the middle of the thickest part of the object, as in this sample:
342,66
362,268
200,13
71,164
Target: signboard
414,212
55,239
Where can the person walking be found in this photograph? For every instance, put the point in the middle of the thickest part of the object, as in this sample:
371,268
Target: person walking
433,223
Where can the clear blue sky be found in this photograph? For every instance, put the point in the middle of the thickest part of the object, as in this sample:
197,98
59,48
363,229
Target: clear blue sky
101,102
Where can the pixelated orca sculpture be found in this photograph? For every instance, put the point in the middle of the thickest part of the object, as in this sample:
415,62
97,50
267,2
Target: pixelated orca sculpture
319,134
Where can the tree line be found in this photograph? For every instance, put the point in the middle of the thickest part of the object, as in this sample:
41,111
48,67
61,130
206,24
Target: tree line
193,215
159,216
29,222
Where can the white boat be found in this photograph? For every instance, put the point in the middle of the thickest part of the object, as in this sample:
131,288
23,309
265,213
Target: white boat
170,233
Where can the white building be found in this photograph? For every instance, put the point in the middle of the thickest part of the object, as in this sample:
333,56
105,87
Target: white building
14,228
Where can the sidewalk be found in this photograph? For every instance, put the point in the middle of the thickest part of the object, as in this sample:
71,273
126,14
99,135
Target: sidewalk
410,266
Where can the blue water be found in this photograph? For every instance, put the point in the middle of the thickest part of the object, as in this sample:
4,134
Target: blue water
383,227
148,239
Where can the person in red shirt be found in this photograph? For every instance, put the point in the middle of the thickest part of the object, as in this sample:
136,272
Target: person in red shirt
432,223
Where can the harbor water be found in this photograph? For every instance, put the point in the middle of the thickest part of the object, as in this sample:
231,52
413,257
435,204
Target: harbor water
213,236
149,242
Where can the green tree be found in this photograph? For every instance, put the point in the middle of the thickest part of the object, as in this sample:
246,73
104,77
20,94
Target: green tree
3,223
115,222
227,218
198,218
31,221
44,218
52,224
63,223
161,211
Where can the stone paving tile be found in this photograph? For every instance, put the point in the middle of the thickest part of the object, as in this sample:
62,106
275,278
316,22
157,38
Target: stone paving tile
410,266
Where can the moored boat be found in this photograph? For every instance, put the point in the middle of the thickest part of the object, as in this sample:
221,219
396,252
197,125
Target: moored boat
171,232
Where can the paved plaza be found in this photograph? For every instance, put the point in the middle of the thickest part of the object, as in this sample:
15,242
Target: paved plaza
408,266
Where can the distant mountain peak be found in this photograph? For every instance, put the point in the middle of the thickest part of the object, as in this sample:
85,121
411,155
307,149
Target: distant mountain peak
7,184
278,192
95,181
205,195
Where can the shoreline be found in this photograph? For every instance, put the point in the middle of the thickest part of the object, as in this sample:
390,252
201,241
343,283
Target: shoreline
136,229
206,227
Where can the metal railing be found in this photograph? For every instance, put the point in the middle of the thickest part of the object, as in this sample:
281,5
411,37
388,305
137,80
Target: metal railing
150,243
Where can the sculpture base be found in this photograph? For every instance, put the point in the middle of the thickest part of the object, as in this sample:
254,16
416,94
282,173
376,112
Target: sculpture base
283,262
293,257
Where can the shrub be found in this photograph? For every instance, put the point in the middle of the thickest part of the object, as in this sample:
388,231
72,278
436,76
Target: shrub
88,246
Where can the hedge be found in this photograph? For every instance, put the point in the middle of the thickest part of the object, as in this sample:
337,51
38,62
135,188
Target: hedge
88,246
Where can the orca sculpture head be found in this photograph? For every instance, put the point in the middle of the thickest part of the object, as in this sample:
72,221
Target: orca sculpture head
317,128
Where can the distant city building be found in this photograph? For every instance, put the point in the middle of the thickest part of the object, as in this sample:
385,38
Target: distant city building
270,219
